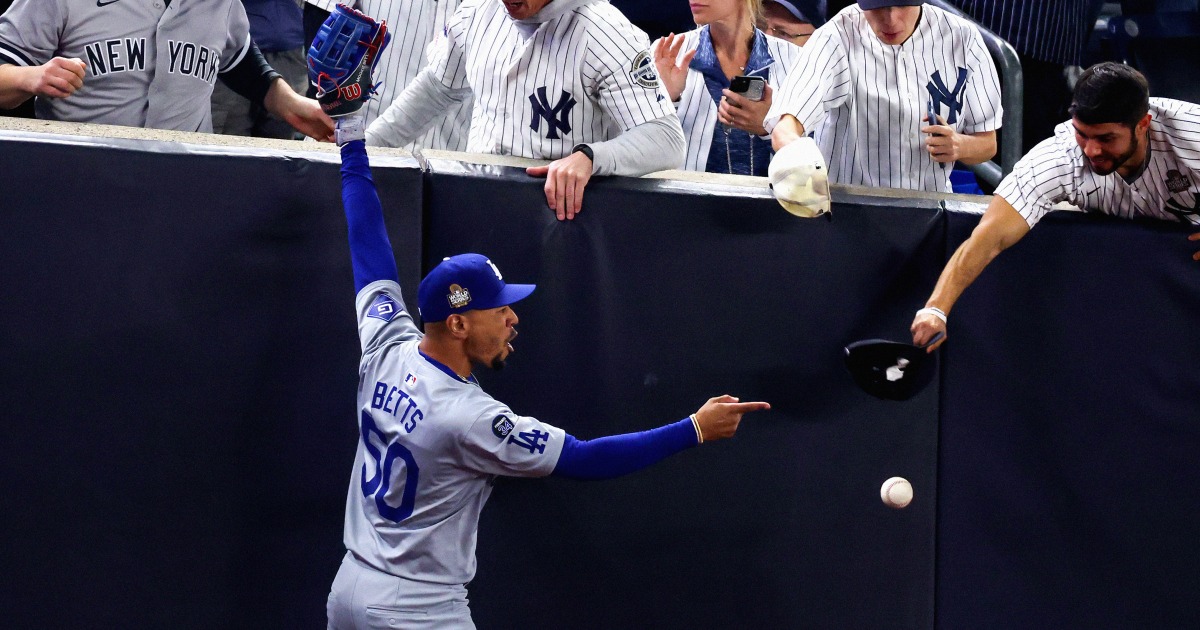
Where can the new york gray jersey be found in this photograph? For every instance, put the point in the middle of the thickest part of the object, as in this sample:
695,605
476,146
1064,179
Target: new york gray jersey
430,444
576,72
148,64
416,27
866,100
1168,188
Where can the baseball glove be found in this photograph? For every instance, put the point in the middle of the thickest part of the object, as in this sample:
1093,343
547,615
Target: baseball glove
342,57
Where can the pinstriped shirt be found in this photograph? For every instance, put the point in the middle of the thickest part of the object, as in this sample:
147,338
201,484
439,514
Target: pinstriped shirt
865,101
1168,188
416,27
1050,30
577,72
697,106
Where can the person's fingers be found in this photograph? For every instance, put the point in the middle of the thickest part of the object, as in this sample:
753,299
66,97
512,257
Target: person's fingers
687,57
1194,237
577,196
537,171
552,196
747,407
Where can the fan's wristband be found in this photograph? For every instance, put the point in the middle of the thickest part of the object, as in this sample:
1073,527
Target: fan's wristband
696,425
933,310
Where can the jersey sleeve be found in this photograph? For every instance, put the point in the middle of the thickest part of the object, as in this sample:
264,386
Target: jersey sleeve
503,443
447,60
1044,177
29,32
622,71
382,316
818,82
237,39
984,111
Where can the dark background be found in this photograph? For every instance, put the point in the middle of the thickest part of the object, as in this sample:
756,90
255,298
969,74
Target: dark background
178,376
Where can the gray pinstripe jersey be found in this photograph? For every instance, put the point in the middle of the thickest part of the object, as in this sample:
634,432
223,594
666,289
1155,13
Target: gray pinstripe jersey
578,71
416,26
429,446
1168,188
866,100
148,65
698,111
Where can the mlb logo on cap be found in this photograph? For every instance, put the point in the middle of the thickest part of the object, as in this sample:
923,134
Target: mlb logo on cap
463,283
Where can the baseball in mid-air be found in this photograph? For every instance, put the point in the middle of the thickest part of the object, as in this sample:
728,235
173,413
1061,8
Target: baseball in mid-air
896,493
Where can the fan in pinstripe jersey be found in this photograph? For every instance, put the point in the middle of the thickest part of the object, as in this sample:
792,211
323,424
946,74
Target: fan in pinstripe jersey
1122,153
570,81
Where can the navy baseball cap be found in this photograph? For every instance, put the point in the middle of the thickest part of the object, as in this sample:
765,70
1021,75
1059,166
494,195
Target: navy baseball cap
867,5
811,11
466,282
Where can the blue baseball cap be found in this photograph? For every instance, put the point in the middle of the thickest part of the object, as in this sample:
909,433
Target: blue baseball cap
466,282
811,11
867,5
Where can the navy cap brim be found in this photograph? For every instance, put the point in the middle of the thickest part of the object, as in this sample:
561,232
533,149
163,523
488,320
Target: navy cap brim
512,293
876,367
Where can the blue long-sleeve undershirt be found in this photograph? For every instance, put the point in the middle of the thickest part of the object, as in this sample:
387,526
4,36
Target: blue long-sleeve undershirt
617,455
370,250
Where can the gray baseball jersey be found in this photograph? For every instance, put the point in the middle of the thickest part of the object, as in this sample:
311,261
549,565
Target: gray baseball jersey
1168,187
417,26
430,445
148,64
576,72
866,101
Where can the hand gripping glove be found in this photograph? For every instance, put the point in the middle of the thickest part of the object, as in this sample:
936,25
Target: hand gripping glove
342,57
799,179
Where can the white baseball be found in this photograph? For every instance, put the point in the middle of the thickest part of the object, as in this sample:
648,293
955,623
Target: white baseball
896,493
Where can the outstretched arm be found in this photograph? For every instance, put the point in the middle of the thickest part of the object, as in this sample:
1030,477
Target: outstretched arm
370,249
617,455
1000,228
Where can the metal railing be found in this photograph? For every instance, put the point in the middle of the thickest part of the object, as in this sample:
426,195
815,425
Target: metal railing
1012,97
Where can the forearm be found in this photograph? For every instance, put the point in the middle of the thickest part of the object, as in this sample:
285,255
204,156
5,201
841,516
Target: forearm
786,131
12,85
370,249
1000,228
252,77
977,148
657,145
617,455
418,106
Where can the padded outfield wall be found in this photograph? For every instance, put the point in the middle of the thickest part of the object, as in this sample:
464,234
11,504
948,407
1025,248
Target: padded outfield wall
178,376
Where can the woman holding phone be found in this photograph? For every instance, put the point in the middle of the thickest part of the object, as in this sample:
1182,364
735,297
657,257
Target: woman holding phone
720,77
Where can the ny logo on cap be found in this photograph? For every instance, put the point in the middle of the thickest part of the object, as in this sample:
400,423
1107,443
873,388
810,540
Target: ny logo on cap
557,117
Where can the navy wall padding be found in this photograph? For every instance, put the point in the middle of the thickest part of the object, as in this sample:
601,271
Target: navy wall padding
1068,471
178,364
649,303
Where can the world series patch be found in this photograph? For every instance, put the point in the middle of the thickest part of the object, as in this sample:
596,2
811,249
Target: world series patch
502,426
643,72
384,307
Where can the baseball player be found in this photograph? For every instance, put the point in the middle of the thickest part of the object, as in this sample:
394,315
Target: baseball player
417,27
1122,153
696,69
865,82
431,440
565,80
140,64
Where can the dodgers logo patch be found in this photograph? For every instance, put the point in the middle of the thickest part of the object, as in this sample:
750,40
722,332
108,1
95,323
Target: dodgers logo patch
384,307
643,72
502,426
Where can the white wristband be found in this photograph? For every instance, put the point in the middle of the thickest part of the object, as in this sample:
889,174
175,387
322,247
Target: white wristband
696,426
933,310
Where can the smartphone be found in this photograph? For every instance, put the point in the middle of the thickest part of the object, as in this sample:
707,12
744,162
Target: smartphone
932,111
752,88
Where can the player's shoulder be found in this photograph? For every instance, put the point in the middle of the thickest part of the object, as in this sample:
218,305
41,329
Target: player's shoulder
606,27
1172,111
782,51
